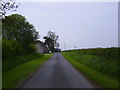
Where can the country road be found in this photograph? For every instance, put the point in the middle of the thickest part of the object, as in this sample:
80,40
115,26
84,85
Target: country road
57,73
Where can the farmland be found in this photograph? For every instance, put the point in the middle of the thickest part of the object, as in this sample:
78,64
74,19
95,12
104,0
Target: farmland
103,60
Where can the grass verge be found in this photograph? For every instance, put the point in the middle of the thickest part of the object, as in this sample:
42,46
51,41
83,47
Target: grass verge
101,79
16,75
20,59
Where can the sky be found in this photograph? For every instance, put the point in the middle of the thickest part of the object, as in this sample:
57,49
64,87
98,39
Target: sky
78,24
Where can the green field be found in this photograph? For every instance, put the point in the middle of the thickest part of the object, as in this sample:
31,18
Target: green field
100,65
11,78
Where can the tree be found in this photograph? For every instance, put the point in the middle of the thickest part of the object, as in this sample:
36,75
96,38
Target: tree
20,29
7,5
51,40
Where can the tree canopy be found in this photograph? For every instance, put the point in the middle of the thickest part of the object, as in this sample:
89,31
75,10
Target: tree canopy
51,40
7,5
18,28
18,36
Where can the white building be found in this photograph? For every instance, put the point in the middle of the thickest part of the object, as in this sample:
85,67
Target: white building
41,47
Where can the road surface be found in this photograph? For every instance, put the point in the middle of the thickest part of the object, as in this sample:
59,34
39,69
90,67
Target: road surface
57,73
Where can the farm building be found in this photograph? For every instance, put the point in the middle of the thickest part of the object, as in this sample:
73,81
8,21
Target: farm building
41,47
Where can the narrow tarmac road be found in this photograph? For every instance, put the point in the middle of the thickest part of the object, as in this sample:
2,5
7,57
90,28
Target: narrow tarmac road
57,73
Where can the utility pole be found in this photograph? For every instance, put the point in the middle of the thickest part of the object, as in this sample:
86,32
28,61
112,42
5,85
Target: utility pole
75,47
64,46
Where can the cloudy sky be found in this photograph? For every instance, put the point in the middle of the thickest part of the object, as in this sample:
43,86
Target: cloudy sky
78,24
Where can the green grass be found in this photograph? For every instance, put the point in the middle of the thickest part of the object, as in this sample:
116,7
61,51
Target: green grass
108,66
16,75
8,64
100,78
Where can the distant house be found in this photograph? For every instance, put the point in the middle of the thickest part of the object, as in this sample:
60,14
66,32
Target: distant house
41,47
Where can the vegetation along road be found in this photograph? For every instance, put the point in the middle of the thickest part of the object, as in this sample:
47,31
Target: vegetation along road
57,73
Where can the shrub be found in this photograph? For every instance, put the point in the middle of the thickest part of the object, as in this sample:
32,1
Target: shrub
20,59
10,48
31,48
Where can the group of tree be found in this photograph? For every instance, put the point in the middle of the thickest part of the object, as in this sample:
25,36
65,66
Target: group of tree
51,41
18,36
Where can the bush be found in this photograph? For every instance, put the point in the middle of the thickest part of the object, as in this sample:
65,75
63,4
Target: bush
13,54
30,48
10,48
8,64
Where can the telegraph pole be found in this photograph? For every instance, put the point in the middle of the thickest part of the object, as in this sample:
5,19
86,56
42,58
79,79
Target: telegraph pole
64,46
75,47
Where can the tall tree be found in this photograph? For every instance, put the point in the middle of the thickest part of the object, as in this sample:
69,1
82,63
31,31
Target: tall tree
16,27
51,40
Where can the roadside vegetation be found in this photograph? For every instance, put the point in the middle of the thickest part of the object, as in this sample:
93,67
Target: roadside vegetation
99,64
15,76
19,57
18,37
18,60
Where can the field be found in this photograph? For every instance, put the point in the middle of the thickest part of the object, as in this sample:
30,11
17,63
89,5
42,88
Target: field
100,60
